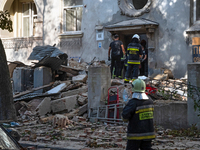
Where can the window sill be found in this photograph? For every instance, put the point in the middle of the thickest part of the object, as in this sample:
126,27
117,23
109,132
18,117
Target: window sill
71,34
195,28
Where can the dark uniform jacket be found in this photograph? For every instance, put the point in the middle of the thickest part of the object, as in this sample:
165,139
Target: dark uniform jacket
116,48
134,50
139,113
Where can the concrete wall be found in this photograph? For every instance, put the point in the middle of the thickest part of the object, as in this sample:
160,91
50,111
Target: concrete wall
170,114
171,49
193,93
99,81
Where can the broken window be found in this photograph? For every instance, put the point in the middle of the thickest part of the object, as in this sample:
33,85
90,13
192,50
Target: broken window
73,15
29,15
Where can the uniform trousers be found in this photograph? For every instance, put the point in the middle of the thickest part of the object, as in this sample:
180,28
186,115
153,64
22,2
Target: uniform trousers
132,71
136,144
115,62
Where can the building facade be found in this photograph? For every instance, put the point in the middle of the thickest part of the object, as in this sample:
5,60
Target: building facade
84,28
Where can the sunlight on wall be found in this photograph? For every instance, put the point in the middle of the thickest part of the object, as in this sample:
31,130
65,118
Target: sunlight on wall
171,3
110,19
185,35
163,48
109,11
172,62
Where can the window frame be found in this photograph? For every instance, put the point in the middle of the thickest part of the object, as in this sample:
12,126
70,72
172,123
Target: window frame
65,8
31,17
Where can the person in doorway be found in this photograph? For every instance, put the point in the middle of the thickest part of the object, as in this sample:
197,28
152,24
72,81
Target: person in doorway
144,59
139,113
134,52
122,66
116,46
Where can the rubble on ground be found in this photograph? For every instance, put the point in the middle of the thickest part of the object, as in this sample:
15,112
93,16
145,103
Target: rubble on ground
59,114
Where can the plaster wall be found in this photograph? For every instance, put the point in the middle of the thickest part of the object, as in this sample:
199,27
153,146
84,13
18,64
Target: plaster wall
49,13
171,48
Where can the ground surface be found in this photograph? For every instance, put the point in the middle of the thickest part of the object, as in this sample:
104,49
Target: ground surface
83,135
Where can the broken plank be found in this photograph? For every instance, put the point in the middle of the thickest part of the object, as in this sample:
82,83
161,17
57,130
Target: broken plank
68,70
57,89
32,90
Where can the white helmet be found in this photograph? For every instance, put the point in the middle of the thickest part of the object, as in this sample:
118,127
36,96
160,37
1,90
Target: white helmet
136,36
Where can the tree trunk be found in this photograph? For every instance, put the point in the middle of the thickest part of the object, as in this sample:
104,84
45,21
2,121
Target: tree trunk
7,108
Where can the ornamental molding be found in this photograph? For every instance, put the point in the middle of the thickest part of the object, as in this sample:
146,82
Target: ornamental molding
19,43
70,43
127,8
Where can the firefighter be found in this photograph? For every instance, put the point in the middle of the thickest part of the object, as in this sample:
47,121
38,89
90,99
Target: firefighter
134,52
139,113
116,46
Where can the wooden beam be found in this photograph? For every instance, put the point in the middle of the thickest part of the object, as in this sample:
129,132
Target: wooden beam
32,90
68,70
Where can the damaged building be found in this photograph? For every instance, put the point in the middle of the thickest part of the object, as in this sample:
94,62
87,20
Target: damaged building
84,29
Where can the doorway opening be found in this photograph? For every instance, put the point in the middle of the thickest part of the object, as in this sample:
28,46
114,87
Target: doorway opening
126,39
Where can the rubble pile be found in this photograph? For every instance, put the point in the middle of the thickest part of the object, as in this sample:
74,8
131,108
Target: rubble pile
62,106
58,115
174,89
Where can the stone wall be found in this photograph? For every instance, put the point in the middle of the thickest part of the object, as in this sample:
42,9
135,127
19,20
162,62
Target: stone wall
170,114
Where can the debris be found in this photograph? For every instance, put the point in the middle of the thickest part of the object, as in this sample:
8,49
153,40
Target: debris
44,107
161,77
68,69
80,78
13,65
76,65
116,82
82,100
83,109
60,121
57,89
14,133
32,90
65,104
48,56
169,72
74,92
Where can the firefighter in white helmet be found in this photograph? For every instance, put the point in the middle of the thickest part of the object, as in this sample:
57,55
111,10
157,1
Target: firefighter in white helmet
134,52
139,113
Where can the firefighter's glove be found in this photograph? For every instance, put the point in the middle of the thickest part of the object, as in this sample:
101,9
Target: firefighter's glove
108,58
123,59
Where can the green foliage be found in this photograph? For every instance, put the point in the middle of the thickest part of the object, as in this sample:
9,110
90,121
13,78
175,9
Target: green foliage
165,94
190,132
5,21
194,93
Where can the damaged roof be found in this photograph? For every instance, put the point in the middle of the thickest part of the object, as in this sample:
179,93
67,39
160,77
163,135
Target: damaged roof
39,52
48,56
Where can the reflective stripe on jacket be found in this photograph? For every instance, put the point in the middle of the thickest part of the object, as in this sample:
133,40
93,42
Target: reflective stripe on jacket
139,113
134,50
